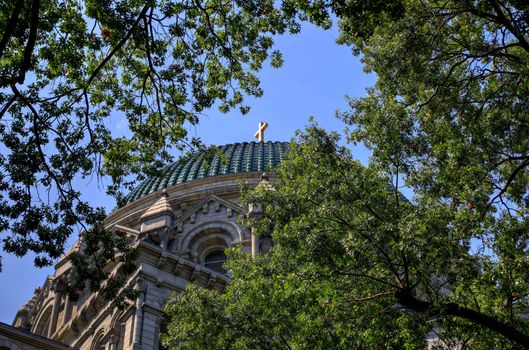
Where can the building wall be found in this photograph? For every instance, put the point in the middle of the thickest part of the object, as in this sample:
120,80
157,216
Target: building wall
14,338
173,231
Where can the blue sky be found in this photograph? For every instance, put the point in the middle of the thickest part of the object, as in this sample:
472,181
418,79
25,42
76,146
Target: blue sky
316,76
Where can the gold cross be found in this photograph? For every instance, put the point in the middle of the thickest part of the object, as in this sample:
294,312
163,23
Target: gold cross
260,133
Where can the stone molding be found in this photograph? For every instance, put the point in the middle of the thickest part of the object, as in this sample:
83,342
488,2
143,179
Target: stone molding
28,338
185,192
203,206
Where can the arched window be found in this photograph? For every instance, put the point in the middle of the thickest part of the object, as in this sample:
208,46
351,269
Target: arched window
214,261
43,322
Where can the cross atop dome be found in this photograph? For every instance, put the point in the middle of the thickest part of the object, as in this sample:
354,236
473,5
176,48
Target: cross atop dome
260,133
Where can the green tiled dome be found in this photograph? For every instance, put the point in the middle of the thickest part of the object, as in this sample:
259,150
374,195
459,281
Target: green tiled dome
242,157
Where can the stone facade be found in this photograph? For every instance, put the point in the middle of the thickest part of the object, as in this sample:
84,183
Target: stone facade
15,338
175,230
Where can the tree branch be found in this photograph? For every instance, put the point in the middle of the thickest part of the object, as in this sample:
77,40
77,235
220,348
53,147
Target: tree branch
30,46
7,105
508,24
511,178
10,26
500,19
116,48
406,298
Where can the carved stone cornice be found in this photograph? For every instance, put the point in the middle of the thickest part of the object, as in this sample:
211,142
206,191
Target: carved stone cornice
32,339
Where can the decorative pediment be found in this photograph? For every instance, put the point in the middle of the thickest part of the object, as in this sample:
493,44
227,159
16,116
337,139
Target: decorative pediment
159,217
159,208
208,204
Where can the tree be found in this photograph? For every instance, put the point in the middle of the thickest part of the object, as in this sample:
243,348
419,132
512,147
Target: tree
355,264
66,66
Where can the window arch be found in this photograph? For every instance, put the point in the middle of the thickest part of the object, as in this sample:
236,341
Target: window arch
225,232
214,260
97,342
43,322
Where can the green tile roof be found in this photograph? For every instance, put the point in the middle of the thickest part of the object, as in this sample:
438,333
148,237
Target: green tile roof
241,158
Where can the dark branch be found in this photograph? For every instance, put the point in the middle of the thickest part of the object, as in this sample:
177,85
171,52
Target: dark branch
30,46
511,178
406,298
10,26
7,105
117,47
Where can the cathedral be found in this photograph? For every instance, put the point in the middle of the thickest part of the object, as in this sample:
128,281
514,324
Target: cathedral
180,223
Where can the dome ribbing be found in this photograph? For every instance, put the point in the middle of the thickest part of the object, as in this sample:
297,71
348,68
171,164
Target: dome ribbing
242,157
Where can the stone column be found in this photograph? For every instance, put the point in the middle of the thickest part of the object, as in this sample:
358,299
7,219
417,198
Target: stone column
254,211
255,244
114,339
138,316
55,309
67,309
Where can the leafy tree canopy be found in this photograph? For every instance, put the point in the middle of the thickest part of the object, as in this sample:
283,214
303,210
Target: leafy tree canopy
66,65
356,265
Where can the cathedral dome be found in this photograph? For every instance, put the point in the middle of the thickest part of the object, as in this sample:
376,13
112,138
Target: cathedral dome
244,157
